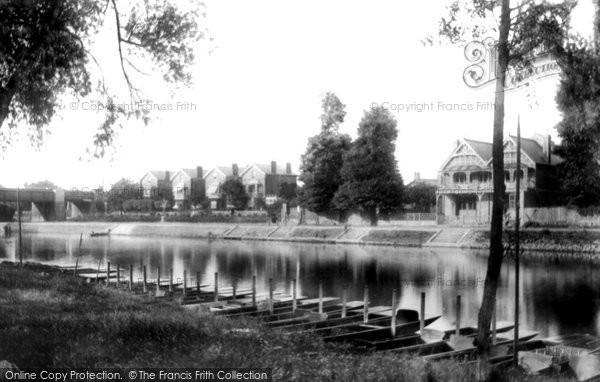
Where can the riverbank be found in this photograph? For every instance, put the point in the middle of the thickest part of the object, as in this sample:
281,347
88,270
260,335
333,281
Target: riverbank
555,244
402,236
52,319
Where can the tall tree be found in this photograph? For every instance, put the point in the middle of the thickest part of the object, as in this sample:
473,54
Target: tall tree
522,30
579,129
235,193
321,164
421,196
333,112
122,190
371,182
46,52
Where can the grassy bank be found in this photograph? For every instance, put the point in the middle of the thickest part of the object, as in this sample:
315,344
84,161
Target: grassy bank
56,320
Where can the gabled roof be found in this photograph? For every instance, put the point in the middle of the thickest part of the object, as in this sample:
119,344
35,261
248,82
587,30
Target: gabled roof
189,172
266,168
225,170
483,149
534,151
157,174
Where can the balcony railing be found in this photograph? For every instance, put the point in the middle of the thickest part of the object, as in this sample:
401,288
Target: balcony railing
450,187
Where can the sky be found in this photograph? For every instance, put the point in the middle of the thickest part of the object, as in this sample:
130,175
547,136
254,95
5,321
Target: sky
258,87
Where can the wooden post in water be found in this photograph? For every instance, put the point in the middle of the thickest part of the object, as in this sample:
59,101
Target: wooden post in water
234,287
494,326
130,277
107,273
198,285
20,227
517,244
171,280
78,254
320,296
216,286
253,290
366,305
184,283
457,315
344,300
118,275
98,272
294,297
422,313
144,285
271,295
157,280
394,309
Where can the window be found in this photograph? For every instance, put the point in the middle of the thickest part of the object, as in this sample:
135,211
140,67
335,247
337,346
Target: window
507,176
511,200
460,177
519,174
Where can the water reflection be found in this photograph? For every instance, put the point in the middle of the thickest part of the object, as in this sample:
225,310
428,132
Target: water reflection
555,299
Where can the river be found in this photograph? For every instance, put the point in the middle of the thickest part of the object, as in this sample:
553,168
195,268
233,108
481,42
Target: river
555,299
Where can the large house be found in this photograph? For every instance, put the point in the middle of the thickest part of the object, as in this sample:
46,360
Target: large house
465,188
154,183
188,187
213,180
264,181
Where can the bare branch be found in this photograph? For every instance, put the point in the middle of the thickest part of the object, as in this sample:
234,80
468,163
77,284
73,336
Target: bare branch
136,68
132,89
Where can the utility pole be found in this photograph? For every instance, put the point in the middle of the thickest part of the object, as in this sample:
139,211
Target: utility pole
517,246
20,230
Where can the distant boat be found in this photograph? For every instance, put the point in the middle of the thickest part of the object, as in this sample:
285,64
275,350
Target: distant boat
94,234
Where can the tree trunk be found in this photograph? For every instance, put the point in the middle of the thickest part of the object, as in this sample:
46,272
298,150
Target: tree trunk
373,217
597,23
496,248
6,96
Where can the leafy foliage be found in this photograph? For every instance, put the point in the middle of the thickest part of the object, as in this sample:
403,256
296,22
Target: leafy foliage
333,112
578,99
45,52
235,193
421,196
123,190
371,182
321,164
288,192
45,184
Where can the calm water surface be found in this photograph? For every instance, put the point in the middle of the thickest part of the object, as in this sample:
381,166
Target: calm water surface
555,299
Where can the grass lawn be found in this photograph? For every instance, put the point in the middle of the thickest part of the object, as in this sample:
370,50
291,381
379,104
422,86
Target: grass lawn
56,320
396,236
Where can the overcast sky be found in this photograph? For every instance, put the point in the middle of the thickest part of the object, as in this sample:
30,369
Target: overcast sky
257,96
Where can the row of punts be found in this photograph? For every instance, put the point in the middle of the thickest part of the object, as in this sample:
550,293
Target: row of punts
377,328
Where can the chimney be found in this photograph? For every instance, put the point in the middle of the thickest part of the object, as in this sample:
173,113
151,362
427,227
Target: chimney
167,175
273,167
234,169
288,168
417,177
199,172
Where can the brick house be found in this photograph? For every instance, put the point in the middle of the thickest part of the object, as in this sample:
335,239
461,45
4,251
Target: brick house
212,183
155,183
188,187
264,181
